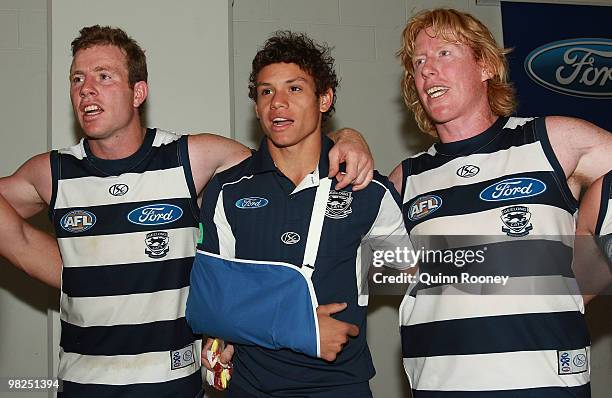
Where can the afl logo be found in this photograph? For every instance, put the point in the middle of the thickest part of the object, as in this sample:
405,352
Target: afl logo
156,214
577,67
78,221
467,171
118,189
251,203
513,188
290,238
424,206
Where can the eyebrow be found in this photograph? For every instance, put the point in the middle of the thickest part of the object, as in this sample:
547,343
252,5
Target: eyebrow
99,68
299,78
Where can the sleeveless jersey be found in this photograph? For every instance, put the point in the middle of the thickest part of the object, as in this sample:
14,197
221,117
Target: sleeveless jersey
603,229
127,232
509,322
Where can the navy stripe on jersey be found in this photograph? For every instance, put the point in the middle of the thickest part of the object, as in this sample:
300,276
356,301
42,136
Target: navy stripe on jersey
54,164
126,339
117,222
183,153
73,167
505,333
472,203
123,279
606,196
492,139
542,135
542,392
189,386
541,257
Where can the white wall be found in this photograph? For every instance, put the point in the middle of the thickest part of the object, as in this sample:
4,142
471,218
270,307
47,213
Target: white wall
23,112
187,47
366,34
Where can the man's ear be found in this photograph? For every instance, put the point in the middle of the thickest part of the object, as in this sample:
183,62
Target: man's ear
485,71
141,91
256,111
325,100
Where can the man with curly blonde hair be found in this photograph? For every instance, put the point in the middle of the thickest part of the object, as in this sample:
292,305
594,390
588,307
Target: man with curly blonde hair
513,185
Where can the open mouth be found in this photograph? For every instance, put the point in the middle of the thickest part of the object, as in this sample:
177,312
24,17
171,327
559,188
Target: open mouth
437,91
91,110
281,122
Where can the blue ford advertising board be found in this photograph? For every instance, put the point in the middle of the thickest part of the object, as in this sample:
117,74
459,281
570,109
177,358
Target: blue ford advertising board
561,63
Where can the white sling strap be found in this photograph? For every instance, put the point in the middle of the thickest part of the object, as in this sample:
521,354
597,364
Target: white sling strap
316,225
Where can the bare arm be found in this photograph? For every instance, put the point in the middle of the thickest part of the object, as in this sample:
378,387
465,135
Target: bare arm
31,250
583,149
396,178
210,154
350,148
25,193
28,190
590,266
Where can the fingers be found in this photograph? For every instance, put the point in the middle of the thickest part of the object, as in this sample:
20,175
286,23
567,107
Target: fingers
365,177
227,354
204,357
334,162
353,330
332,308
351,173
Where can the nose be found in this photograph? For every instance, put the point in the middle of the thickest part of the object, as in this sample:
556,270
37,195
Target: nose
429,68
279,100
87,88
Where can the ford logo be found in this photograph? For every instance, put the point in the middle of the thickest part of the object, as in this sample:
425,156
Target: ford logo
578,67
78,221
156,214
512,188
251,203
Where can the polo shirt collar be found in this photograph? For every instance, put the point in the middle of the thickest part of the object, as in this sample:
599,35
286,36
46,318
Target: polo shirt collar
262,163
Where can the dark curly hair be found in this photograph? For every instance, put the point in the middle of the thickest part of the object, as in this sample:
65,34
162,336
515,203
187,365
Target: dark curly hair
297,48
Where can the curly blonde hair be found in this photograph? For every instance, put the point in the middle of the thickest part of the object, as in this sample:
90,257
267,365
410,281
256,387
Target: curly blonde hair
453,25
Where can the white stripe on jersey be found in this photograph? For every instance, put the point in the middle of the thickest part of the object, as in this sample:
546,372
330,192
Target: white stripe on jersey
487,225
492,165
454,304
123,248
142,187
513,371
163,137
227,240
164,305
606,225
151,367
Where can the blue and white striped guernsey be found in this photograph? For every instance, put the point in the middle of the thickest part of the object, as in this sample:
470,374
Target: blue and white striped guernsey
127,231
505,190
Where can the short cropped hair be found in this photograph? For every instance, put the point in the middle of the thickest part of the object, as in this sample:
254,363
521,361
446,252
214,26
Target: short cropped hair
97,35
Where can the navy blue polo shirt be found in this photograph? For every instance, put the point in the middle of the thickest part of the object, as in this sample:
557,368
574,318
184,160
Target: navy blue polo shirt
253,212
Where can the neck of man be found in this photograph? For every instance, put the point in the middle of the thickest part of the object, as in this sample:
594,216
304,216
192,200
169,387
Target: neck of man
466,126
299,160
119,144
